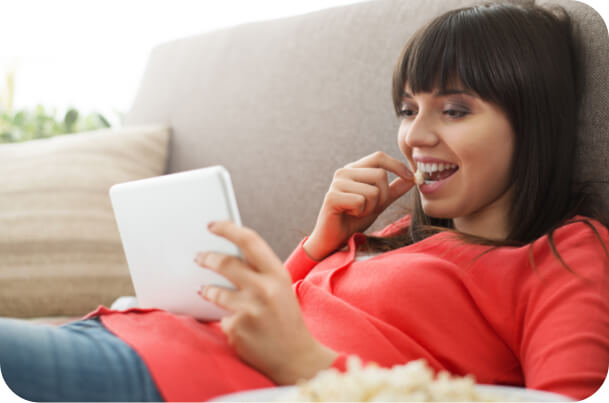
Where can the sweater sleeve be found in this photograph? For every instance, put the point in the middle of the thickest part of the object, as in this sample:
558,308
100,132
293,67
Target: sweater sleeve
565,333
298,264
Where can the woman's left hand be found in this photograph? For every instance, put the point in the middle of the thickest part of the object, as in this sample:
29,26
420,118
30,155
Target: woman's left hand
265,327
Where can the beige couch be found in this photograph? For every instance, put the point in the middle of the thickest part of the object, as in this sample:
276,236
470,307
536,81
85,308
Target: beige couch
282,104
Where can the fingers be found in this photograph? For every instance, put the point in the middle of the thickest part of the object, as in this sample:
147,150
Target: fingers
359,198
226,323
352,203
256,252
372,170
225,298
371,176
231,267
380,159
397,189
367,178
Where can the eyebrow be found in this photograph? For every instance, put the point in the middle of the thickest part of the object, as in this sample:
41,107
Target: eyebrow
443,93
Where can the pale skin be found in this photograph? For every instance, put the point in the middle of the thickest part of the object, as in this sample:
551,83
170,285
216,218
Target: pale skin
266,327
476,135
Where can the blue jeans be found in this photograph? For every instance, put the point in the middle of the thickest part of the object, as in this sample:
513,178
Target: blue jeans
80,361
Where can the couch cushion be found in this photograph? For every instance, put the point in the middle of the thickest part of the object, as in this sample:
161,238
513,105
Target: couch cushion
285,103
60,250
593,135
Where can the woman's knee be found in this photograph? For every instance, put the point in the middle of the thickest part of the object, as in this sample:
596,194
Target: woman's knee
25,356
81,361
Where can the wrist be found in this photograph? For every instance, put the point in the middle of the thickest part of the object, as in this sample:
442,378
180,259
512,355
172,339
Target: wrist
313,251
318,358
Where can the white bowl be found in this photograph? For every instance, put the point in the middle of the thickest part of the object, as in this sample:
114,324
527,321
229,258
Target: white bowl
498,393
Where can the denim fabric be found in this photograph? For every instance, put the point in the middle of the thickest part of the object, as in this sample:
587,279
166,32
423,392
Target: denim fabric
80,361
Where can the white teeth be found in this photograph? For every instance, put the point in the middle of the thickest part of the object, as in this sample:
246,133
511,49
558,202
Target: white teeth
434,167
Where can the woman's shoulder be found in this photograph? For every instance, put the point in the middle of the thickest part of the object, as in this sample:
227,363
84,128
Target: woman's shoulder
580,228
581,242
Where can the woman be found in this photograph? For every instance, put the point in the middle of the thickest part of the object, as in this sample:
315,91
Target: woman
499,271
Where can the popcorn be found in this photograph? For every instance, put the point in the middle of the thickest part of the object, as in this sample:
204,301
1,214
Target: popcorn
413,381
418,177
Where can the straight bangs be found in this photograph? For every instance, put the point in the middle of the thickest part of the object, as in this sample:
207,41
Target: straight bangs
455,51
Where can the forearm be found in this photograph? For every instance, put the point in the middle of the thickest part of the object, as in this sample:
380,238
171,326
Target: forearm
313,251
307,366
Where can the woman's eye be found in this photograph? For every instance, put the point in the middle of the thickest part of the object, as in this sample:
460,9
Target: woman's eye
406,112
453,113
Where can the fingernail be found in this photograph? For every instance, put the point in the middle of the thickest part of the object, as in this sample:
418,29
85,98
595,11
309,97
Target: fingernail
211,224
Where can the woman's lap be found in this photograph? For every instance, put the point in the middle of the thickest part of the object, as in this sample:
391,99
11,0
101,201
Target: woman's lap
80,361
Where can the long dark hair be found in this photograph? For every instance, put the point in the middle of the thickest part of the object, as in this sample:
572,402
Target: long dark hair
522,58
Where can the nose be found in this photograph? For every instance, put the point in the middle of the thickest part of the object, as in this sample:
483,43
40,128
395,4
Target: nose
420,132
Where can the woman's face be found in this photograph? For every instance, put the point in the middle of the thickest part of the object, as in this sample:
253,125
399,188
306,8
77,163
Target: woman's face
465,145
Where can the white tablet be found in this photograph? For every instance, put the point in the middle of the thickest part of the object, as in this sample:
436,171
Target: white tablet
163,224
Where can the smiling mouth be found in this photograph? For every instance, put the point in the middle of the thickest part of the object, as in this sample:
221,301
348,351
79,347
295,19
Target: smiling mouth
434,172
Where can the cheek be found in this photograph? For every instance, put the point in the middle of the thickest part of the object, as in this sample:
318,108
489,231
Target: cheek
489,144
407,151
489,162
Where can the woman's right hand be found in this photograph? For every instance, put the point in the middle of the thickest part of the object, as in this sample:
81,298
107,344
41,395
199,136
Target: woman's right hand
358,194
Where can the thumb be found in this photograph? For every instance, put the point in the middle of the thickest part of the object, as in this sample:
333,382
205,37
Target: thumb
398,188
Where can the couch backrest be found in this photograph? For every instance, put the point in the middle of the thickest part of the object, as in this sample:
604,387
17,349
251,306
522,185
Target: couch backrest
284,103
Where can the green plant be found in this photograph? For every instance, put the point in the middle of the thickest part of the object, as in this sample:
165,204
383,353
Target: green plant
28,124
39,123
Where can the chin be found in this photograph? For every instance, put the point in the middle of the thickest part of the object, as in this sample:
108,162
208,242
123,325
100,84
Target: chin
437,209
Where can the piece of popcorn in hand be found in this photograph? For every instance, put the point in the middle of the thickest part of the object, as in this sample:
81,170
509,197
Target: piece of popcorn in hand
418,177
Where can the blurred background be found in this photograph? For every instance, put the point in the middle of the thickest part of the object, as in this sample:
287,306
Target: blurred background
68,65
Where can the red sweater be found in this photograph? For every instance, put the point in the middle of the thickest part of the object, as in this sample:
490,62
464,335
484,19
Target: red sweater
493,316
